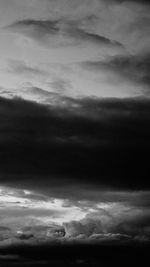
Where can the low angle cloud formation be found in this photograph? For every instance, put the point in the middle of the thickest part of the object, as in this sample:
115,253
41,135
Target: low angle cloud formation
32,217
54,141
74,132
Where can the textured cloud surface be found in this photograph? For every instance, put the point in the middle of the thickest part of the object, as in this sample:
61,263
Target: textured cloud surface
32,217
74,125
60,33
51,40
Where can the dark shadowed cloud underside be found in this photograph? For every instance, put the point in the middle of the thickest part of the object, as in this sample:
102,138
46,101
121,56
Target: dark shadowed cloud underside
74,123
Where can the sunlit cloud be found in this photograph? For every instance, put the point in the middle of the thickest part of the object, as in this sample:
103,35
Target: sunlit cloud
27,215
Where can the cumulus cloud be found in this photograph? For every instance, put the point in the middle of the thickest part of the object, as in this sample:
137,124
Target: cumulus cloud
128,223
111,219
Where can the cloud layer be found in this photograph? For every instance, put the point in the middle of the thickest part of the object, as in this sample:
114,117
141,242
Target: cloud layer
27,216
78,139
74,123
51,40
60,33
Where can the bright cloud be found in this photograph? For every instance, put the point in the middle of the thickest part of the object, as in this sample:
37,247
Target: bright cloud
29,214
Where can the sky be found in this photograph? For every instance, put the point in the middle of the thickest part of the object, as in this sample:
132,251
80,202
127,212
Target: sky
74,48
74,121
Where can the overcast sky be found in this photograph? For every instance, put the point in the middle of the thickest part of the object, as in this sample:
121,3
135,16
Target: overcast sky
74,119
75,48
74,87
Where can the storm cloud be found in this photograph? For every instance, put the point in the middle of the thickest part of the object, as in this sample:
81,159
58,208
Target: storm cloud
74,132
45,139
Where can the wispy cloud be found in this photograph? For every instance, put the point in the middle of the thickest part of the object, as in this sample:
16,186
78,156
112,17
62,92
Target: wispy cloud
21,68
134,69
60,33
60,85
69,32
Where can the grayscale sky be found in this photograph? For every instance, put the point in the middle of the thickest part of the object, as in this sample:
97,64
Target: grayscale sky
74,122
74,48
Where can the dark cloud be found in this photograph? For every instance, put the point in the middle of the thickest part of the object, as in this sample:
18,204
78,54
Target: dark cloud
59,33
5,233
76,254
130,68
104,140
74,122
25,236
135,227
